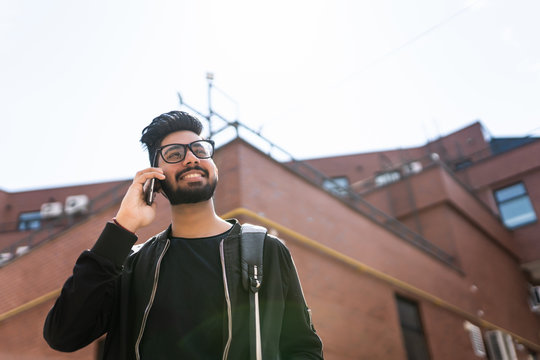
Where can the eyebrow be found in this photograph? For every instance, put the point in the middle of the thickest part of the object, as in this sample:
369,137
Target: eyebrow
172,147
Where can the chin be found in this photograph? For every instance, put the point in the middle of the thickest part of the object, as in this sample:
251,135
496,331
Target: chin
194,193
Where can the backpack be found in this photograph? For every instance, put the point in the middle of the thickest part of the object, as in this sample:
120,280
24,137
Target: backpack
251,258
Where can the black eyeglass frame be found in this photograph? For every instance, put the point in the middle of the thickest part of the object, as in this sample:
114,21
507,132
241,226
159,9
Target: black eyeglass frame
188,146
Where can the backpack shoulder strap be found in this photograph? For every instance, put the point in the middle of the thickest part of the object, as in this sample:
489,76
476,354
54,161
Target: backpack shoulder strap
251,255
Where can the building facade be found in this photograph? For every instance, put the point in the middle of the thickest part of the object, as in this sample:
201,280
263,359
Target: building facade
411,254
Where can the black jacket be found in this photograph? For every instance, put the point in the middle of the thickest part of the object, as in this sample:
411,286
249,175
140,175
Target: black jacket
113,285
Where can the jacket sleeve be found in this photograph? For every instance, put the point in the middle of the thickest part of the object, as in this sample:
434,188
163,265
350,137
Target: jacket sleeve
83,310
298,337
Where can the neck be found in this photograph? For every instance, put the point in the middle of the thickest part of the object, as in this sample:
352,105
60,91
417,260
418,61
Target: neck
197,220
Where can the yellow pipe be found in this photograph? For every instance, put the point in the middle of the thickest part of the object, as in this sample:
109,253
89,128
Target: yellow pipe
26,306
334,254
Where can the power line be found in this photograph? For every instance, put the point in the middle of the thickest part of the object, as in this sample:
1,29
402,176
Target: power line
421,35
394,51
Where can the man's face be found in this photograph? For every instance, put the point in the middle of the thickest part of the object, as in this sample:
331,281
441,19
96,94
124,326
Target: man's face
191,180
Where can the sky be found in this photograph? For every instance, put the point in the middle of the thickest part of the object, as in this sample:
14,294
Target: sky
81,79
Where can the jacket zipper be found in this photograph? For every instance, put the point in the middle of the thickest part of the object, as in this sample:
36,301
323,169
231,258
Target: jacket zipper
151,301
228,300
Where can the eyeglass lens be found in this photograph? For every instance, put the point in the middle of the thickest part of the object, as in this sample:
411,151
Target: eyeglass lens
177,152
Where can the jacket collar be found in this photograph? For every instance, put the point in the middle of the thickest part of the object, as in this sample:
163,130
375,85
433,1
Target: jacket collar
235,230
162,236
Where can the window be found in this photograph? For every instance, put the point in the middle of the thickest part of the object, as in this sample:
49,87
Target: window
515,206
411,327
337,185
462,164
30,221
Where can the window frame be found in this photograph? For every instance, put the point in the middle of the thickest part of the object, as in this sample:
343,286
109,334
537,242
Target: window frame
411,331
504,200
337,185
26,224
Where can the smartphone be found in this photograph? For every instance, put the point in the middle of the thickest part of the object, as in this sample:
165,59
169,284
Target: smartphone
149,189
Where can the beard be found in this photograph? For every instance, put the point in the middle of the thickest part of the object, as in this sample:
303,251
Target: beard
188,195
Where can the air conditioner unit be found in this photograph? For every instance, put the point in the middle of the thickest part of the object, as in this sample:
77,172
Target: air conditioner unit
76,204
477,342
534,299
51,210
386,178
500,345
5,257
21,250
412,168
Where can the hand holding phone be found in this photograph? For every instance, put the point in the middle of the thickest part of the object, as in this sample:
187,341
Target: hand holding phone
150,186
134,212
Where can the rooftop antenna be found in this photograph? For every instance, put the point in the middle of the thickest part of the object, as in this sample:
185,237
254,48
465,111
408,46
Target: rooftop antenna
211,112
210,80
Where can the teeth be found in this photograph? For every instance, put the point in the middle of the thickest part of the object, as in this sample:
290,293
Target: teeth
189,176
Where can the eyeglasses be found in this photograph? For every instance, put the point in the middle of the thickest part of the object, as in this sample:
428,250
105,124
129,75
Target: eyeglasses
174,153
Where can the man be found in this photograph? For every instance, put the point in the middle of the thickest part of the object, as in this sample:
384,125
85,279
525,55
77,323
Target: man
180,294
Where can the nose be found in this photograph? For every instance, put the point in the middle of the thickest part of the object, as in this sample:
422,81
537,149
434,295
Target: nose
190,158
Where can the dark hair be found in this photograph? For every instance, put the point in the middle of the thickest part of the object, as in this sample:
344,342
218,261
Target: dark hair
163,125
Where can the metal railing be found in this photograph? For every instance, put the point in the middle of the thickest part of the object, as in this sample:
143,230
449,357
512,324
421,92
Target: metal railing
345,194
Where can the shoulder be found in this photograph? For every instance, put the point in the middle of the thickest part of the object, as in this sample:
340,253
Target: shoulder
275,242
276,250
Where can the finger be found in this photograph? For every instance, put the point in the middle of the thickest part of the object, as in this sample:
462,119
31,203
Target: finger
149,170
142,176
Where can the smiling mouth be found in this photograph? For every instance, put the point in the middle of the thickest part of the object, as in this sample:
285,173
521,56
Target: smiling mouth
196,172
191,176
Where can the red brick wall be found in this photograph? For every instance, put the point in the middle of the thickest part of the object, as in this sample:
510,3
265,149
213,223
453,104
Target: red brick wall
22,339
521,164
462,143
447,338
357,167
355,313
270,188
228,193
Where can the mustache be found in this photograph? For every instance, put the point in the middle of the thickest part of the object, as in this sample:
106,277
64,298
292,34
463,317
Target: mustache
196,167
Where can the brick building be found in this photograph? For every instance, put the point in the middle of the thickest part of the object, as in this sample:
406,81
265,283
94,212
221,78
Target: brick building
421,253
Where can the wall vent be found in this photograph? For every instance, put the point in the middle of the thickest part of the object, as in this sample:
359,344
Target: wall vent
534,299
477,341
500,345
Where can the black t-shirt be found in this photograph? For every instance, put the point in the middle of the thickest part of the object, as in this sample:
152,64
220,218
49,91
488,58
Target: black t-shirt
186,319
